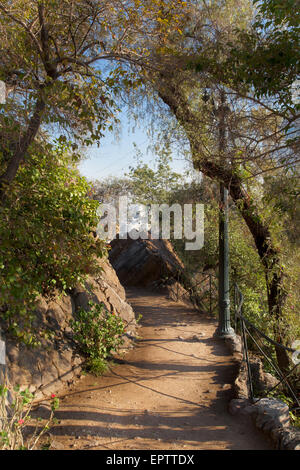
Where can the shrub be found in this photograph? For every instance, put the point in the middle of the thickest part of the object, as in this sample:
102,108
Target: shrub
98,333
47,246
15,417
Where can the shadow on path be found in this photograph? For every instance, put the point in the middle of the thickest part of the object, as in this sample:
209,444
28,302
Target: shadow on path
167,393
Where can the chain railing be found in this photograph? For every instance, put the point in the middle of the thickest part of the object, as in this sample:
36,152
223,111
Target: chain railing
248,329
192,290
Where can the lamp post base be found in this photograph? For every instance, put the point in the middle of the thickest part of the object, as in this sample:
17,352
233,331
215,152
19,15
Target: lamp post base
224,333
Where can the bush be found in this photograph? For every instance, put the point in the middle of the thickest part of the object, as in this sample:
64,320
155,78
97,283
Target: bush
47,246
247,271
98,333
15,417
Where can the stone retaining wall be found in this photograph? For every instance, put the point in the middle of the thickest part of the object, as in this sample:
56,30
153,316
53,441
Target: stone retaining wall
269,414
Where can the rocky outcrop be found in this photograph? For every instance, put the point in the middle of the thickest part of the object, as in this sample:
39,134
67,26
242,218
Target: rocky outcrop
107,290
144,263
152,264
57,363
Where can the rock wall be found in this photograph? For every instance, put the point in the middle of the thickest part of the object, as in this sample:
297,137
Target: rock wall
57,363
153,263
143,263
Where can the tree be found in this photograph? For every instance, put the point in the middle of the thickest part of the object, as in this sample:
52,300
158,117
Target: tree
266,56
154,186
275,64
46,229
51,54
110,189
177,50
258,141
46,59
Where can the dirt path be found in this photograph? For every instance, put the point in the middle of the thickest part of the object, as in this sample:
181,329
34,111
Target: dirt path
170,392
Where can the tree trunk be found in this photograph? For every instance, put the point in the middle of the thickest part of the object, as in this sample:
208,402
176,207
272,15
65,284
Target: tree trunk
21,147
172,96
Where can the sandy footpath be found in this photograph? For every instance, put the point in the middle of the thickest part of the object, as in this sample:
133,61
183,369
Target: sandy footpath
170,392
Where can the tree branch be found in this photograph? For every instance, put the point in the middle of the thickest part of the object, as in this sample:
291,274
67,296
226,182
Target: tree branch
22,146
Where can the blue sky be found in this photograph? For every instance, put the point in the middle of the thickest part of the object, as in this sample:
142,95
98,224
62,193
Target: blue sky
114,156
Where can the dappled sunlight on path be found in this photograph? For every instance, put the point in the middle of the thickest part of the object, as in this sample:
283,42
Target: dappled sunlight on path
170,392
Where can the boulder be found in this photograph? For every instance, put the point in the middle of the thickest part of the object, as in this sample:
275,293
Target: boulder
151,264
107,289
57,363
143,263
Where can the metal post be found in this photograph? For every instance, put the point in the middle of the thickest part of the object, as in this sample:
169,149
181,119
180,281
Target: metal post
224,329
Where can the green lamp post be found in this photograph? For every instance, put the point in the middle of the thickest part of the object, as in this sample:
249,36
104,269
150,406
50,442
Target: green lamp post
224,329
